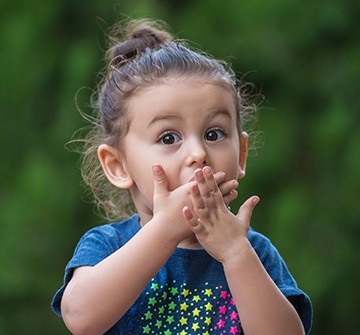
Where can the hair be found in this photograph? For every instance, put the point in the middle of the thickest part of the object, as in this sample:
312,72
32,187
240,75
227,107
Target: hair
143,53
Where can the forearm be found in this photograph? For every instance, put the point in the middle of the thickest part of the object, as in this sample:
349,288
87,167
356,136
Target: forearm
262,308
97,297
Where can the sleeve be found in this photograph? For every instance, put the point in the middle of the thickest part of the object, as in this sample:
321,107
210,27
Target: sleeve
278,271
94,246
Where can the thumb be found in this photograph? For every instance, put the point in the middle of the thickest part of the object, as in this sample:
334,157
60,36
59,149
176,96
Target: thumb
160,180
247,208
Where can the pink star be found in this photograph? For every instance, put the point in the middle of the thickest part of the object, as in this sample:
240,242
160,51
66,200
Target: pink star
232,302
222,309
233,315
234,330
223,294
221,324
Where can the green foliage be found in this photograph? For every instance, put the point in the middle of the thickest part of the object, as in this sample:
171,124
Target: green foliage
305,59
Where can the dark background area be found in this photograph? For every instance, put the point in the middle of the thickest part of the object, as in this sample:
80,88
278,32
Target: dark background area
303,56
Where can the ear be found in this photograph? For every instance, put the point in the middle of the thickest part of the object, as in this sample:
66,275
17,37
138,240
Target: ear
243,154
114,166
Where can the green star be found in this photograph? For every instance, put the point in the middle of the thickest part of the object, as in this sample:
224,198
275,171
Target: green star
170,319
148,315
161,310
154,286
152,301
174,290
158,323
172,305
146,330
167,332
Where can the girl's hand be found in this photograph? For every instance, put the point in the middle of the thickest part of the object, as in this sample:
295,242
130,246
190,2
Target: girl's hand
218,231
227,188
170,203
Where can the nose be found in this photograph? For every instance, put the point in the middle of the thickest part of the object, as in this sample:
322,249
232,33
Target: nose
197,154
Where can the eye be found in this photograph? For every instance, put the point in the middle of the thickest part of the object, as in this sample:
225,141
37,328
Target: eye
169,138
214,135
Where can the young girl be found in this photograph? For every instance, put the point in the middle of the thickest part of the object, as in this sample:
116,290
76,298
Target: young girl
170,132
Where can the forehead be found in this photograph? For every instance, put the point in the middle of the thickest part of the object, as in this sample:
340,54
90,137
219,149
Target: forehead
182,97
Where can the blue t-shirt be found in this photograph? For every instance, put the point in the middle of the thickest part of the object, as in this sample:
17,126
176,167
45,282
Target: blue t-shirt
189,295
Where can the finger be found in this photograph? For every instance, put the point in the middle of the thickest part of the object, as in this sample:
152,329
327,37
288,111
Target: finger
202,185
199,205
229,197
228,187
210,180
160,180
191,220
219,177
247,208
213,189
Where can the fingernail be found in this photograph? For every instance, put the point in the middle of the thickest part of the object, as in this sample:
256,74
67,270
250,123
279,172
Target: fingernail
207,170
156,169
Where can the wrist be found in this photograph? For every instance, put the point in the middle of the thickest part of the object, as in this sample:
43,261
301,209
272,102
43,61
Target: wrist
237,256
166,229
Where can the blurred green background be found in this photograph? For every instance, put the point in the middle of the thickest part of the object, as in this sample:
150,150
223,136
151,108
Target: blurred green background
303,56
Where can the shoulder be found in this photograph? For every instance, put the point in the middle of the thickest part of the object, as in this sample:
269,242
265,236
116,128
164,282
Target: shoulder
270,258
121,231
259,242
104,240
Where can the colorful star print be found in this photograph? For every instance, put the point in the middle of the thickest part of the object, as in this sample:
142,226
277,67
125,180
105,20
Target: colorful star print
175,309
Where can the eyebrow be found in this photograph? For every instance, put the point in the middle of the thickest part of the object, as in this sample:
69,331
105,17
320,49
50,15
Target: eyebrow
177,117
164,117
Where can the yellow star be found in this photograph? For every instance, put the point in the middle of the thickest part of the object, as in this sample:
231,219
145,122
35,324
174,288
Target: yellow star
185,293
196,312
206,333
195,326
208,306
183,332
183,321
208,292
208,321
184,306
196,298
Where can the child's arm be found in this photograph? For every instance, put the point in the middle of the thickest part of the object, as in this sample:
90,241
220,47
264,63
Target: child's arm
97,297
262,308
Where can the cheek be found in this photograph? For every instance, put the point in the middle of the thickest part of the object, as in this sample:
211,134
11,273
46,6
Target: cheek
229,163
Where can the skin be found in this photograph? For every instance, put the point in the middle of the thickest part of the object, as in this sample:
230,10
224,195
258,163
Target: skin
183,156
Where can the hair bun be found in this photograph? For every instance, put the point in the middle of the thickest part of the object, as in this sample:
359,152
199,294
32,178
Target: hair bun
139,36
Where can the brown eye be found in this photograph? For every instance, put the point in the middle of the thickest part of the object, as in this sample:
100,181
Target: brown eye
169,138
214,135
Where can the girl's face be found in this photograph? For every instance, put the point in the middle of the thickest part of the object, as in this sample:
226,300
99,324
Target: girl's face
183,126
